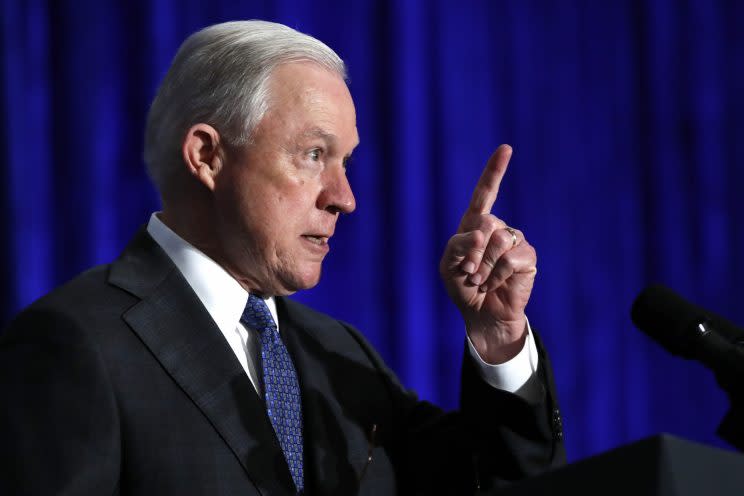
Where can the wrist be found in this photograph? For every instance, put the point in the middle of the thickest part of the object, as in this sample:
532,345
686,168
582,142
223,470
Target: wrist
499,343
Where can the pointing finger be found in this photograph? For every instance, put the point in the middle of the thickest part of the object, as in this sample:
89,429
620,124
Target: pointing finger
487,189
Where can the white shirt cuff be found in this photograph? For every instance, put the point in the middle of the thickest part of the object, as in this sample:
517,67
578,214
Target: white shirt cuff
517,375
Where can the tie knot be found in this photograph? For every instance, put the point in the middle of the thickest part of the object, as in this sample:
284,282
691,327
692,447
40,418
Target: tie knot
257,315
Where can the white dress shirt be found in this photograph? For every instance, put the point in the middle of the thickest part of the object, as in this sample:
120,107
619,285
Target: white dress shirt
225,300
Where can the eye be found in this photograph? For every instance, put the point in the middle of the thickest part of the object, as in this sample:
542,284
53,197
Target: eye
347,162
315,154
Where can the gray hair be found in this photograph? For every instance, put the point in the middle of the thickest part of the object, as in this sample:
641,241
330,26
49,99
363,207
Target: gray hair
220,77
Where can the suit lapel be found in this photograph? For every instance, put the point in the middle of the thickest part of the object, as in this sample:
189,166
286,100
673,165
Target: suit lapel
180,333
335,441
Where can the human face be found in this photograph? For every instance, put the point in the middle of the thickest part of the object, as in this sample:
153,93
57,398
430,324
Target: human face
278,199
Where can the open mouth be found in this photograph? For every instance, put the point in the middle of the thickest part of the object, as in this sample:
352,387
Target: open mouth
318,240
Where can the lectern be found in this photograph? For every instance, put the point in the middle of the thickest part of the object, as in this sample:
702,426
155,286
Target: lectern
657,466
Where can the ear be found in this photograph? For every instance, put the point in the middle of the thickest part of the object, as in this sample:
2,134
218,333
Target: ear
201,153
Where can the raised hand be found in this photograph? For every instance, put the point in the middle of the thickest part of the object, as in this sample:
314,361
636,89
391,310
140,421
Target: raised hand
489,269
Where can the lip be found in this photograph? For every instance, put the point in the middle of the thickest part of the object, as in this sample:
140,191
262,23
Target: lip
319,244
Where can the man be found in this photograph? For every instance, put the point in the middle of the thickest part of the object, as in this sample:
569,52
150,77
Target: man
181,368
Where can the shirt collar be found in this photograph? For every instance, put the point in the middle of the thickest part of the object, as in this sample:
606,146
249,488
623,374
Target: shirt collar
222,296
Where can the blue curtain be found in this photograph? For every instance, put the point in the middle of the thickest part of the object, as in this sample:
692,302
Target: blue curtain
627,121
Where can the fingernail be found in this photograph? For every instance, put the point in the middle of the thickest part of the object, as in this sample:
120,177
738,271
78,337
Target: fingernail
476,279
468,267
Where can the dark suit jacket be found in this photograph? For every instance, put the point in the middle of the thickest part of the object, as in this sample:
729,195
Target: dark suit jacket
119,382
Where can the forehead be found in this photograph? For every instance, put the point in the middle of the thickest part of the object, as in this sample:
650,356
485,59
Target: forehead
307,99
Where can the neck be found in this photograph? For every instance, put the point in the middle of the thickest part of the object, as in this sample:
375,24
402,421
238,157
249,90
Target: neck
196,224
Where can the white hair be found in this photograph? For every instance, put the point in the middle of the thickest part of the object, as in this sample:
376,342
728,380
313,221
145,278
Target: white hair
220,77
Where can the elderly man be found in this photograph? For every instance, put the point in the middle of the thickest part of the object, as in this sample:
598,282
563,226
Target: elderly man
182,368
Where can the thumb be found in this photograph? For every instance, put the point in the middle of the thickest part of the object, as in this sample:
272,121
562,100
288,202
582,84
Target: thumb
460,249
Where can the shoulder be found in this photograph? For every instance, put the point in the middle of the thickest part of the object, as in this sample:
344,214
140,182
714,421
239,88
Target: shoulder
82,305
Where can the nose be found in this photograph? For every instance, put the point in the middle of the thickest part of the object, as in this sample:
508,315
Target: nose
336,196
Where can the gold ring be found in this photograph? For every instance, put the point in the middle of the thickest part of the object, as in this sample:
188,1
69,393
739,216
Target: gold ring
513,232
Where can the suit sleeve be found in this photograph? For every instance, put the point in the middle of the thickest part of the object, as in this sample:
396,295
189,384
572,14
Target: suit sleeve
511,438
58,423
494,439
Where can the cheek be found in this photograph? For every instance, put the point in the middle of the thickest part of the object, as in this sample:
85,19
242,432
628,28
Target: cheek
295,201
274,213
278,218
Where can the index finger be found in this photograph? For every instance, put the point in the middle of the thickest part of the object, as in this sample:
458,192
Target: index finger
487,189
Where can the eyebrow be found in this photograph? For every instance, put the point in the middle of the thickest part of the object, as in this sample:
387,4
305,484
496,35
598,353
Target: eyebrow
317,132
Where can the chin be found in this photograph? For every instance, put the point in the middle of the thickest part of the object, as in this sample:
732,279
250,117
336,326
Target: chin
299,280
309,282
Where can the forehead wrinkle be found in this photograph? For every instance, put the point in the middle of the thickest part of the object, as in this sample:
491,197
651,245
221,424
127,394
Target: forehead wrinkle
318,132
323,108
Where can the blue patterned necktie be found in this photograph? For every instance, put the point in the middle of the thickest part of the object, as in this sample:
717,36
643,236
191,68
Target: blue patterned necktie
281,388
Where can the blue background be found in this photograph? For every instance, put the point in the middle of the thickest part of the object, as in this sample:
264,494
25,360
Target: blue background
627,121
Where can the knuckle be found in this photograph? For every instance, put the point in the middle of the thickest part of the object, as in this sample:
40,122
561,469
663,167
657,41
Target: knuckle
461,241
477,237
528,252
501,239
452,245
490,222
510,261
494,250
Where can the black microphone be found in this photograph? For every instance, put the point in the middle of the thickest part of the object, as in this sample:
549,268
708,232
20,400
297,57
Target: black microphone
694,333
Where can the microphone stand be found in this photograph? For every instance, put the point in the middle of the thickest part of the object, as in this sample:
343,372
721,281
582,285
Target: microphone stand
731,428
